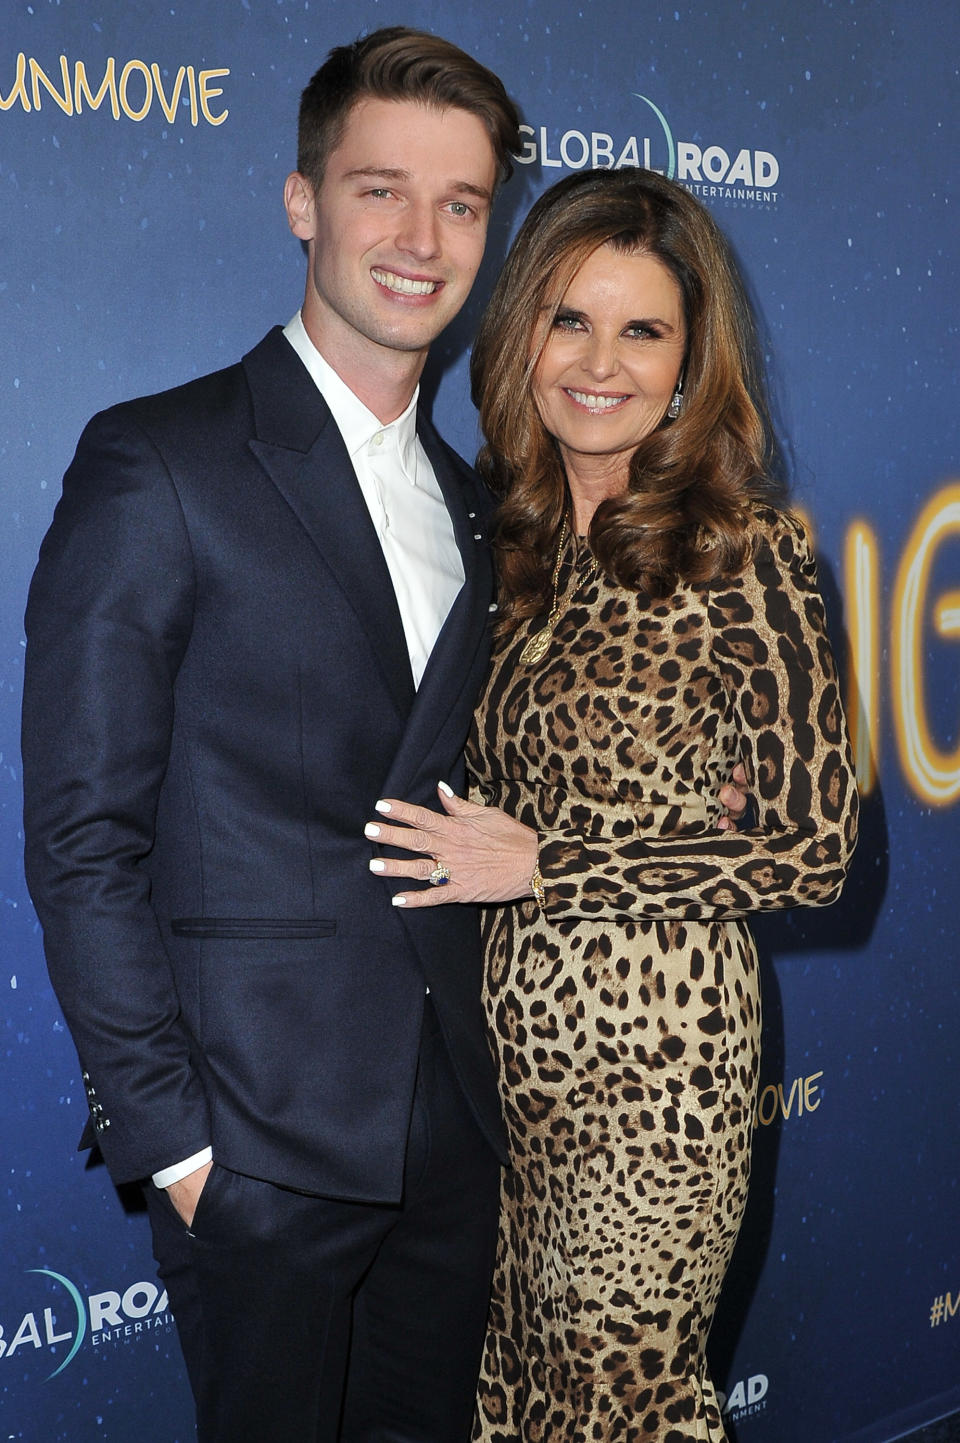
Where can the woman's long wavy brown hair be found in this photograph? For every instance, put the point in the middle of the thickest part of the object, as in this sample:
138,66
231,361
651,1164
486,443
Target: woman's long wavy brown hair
684,515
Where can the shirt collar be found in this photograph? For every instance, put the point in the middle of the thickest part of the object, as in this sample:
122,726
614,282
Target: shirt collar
356,424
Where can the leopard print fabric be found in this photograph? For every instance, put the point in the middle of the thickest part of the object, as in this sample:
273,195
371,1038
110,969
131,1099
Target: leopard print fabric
625,1014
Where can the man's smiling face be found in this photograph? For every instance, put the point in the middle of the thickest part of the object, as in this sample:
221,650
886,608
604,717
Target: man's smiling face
396,230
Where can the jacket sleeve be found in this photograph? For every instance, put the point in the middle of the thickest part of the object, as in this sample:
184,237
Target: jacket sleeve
769,645
108,620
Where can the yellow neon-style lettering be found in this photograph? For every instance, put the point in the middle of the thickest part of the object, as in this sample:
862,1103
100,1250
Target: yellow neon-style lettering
933,774
108,86
192,83
144,70
19,91
810,1086
862,589
169,108
207,92
786,1101
38,77
76,93
765,1116
946,618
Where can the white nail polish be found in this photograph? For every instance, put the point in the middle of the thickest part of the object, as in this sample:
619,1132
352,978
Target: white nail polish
371,830
447,790
381,806
398,901
377,865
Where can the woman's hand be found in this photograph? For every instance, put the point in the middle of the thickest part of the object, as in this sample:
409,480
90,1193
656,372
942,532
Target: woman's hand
490,857
734,797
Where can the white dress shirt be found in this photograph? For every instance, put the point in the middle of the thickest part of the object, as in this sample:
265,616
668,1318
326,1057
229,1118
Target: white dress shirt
413,527
405,503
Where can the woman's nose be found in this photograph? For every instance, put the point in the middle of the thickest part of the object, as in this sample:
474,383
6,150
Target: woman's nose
600,359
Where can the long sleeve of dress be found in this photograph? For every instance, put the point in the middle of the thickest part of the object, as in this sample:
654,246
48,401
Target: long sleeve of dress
763,634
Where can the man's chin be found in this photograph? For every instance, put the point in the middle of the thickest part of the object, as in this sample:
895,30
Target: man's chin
407,337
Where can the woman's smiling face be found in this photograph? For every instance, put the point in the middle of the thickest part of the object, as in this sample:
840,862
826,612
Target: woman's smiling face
612,360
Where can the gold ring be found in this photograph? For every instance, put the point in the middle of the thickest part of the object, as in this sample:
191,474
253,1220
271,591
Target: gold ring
440,876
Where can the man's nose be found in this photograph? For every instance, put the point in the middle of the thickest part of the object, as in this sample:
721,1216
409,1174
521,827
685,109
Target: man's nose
419,234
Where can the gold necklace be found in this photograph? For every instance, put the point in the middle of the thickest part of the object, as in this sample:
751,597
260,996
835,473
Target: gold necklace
536,648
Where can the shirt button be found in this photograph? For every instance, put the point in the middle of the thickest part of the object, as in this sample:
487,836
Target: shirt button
378,439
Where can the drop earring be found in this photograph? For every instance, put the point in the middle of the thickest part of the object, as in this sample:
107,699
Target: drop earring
676,402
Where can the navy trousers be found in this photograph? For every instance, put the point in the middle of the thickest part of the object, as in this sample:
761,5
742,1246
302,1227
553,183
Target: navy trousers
308,1320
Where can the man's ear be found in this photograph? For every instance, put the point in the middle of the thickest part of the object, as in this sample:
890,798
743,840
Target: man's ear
300,204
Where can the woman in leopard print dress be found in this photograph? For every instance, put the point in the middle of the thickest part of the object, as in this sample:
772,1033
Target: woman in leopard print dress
659,622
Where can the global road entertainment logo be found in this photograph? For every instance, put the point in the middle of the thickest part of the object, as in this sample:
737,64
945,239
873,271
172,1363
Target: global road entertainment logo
66,1321
712,172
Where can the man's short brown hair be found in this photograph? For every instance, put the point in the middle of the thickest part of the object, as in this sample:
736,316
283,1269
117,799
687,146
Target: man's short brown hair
397,63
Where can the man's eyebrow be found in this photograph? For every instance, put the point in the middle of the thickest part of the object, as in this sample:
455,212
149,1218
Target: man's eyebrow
466,187
397,173
376,172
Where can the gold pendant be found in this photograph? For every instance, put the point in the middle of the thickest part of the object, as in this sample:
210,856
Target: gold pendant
536,648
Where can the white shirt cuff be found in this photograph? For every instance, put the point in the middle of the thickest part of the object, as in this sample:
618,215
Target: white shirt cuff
180,1170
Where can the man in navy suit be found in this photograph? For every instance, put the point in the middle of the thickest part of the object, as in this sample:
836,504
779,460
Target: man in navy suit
262,605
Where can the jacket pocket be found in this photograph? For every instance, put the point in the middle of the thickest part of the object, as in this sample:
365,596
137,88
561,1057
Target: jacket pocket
254,927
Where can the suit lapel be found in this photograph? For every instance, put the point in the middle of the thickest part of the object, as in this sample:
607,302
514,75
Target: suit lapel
467,621
451,665
302,451
299,446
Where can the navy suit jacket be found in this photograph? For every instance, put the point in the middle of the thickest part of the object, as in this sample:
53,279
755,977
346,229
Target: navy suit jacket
217,691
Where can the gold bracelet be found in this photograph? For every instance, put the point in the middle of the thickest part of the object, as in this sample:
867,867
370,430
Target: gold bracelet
536,886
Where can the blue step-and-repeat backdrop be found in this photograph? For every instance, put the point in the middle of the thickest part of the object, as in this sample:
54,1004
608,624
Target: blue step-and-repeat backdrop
142,241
